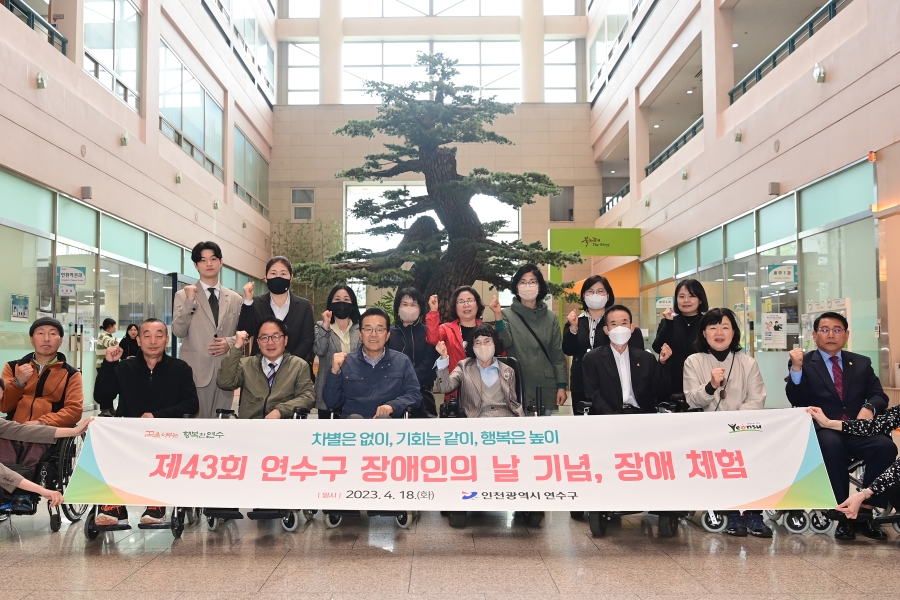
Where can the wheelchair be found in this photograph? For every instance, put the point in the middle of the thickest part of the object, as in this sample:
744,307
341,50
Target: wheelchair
53,471
451,409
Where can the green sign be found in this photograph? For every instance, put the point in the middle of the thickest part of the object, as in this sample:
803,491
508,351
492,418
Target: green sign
597,241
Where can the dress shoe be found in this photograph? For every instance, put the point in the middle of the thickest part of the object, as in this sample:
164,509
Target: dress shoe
870,530
844,531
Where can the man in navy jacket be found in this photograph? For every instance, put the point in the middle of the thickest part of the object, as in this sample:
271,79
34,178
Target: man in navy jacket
844,385
373,381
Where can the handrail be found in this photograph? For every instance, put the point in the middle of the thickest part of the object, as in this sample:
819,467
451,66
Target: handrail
601,77
805,31
27,15
675,146
615,199
111,81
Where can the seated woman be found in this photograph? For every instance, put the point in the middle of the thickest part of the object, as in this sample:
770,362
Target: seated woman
487,387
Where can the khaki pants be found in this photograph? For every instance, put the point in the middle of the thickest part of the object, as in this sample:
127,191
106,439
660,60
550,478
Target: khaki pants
212,397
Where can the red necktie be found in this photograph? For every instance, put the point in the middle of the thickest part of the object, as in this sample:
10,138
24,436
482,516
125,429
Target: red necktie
838,375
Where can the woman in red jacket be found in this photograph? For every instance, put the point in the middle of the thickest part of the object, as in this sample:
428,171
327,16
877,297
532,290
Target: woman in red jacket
465,312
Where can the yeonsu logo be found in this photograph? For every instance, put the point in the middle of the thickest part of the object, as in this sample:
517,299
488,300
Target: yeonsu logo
745,427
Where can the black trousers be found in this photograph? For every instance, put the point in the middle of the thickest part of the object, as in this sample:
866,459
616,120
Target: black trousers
837,447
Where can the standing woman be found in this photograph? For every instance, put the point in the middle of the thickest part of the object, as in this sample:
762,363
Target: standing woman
465,313
719,377
128,343
531,334
338,331
584,332
295,312
679,331
408,336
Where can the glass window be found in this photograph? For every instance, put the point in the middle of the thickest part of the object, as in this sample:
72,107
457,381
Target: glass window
740,293
193,103
686,255
665,265
251,174
112,43
713,284
303,9
303,73
164,255
240,143
648,272
79,309
128,44
435,8
740,236
559,71
77,221
99,29
559,7
17,194
777,221
214,121
123,293
711,247
170,86
779,297
122,239
189,269
847,193
226,277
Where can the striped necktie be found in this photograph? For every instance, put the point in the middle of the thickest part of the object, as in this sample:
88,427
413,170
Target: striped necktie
271,375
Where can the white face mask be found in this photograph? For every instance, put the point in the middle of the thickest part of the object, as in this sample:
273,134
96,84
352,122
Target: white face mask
528,294
620,335
408,314
484,353
596,301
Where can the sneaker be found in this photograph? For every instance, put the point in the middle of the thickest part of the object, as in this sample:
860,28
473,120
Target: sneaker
22,504
756,526
106,413
736,526
154,514
112,515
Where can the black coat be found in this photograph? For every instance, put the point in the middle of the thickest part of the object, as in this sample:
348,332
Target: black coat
299,322
680,334
603,387
817,389
168,391
578,344
411,342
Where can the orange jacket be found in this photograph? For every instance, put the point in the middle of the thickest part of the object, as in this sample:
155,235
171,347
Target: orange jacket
56,396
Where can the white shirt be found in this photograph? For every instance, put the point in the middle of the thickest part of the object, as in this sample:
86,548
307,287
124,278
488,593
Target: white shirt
280,311
216,287
623,365
265,364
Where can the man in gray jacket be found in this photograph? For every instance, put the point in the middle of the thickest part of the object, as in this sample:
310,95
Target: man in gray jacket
272,385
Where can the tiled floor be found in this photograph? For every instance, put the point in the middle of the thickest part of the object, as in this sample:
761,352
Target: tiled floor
496,556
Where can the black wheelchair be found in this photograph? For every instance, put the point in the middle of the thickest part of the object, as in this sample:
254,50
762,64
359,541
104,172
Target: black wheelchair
53,471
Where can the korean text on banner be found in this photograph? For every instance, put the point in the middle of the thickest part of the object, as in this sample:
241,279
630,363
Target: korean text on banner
759,459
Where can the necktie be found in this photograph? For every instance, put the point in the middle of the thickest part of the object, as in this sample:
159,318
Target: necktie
271,375
214,305
838,375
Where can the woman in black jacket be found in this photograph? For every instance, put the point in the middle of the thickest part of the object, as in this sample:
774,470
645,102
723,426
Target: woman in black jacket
584,332
128,343
678,329
408,336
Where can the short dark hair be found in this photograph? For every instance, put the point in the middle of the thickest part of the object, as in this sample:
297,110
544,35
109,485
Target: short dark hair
197,251
376,312
695,288
591,282
413,294
524,270
151,321
273,319
455,296
831,315
280,259
107,323
618,307
354,313
479,331
715,316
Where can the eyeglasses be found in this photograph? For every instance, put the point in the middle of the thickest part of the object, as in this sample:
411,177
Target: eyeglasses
597,293
683,297
465,302
834,330
371,330
276,337
480,343
532,283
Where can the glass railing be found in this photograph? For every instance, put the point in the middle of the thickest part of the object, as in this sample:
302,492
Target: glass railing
806,31
27,15
619,47
675,146
111,81
615,199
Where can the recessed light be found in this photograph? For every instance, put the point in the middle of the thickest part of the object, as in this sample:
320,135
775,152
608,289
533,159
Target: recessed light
612,171
656,127
734,45
790,262
690,91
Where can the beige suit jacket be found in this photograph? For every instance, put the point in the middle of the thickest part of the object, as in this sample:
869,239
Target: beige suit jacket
193,322
467,379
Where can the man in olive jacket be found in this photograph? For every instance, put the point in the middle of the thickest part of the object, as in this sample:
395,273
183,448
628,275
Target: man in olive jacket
272,385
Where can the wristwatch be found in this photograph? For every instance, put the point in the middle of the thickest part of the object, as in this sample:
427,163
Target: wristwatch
870,407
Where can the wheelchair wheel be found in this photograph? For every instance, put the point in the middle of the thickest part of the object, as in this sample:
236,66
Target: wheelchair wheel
796,521
772,515
55,522
177,521
404,520
68,455
576,514
533,519
668,525
90,527
291,522
190,515
4,517
819,523
714,523
332,521
457,519
309,515
896,527
213,523
598,522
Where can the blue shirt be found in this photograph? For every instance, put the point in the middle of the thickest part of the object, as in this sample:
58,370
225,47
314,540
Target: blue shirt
796,376
489,374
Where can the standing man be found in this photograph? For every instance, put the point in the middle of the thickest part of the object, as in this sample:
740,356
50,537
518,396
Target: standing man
844,386
206,317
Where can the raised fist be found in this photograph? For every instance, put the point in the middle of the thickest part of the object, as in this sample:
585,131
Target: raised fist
248,290
326,320
240,338
113,354
665,353
669,313
796,359
572,318
190,292
441,347
433,303
717,377
24,372
496,309
337,362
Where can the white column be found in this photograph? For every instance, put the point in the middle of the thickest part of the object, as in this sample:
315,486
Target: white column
638,143
718,65
531,33
331,41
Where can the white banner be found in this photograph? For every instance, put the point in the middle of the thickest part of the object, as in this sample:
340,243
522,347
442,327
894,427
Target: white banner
687,461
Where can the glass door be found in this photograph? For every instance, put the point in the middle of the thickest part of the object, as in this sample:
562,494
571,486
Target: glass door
174,283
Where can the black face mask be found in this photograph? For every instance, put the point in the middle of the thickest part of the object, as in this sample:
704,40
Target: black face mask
278,285
341,310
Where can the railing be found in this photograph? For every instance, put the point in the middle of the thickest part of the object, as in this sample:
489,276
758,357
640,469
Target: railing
675,146
38,23
806,31
608,68
251,200
615,199
171,132
108,78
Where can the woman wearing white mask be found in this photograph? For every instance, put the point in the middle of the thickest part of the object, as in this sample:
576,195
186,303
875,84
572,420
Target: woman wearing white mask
408,336
584,332
678,328
487,387
531,334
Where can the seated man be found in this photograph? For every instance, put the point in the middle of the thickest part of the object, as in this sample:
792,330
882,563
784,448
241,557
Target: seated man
844,386
273,385
151,385
373,381
41,389
619,379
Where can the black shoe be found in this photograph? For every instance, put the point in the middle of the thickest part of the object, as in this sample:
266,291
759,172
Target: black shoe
845,530
736,526
756,526
870,530
106,413
22,504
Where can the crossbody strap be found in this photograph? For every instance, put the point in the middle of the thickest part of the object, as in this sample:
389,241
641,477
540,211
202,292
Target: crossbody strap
536,338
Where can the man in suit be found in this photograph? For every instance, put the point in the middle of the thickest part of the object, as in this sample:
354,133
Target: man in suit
619,379
844,386
206,317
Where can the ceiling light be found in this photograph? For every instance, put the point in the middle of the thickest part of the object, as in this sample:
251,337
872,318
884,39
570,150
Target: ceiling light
738,275
656,127
690,91
734,45
113,275
789,262
612,171
719,280
104,270
751,272
764,286
793,291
